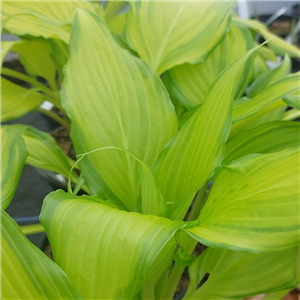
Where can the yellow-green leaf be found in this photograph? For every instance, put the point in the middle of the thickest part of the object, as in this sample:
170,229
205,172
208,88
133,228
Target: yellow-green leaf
267,78
17,101
253,204
189,84
191,157
276,43
35,56
283,86
46,19
44,153
26,272
114,249
267,138
238,274
125,106
13,156
166,34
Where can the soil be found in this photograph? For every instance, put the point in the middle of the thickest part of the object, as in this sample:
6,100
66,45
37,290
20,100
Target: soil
62,137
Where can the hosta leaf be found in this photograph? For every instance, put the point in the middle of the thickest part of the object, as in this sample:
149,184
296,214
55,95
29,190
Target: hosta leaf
267,54
165,34
272,112
114,8
13,156
115,16
46,19
17,101
135,112
266,79
26,272
253,204
276,43
117,24
239,274
44,153
190,83
267,138
293,99
35,56
34,26
275,91
114,249
259,66
190,159
5,48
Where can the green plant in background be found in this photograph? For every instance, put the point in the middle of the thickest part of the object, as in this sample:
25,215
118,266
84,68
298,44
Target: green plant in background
181,99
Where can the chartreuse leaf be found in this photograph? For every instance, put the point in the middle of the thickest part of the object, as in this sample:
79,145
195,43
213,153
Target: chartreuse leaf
272,112
59,55
44,153
17,101
135,112
46,19
150,200
239,274
5,48
259,66
13,156
114,249
293,99
189,84
26,272
267,54
283,86
35,56
266,79
253,204
165,34
291,115
114,16
267,138
190,159
114,8
276,43
28,23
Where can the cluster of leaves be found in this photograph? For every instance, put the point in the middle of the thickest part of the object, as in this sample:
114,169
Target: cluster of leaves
162,99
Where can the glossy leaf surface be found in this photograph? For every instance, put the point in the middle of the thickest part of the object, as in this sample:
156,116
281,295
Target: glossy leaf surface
114,249
191,157
254,204
165,34
189,84
124,99
26,272
13,156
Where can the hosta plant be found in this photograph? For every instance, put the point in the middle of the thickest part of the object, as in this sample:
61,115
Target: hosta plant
182,137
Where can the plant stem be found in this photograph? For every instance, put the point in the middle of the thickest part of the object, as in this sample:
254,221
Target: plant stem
31,229
53,97
55,117
175,274
199,202
177,270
